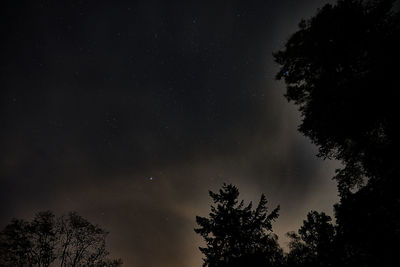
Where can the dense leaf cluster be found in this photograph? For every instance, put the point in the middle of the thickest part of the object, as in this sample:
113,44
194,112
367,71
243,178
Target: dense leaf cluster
341,69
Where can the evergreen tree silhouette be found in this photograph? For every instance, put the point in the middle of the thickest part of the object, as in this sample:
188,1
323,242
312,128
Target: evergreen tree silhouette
237,235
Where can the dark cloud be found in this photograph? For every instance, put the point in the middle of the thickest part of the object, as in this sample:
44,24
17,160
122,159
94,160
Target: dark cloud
98,97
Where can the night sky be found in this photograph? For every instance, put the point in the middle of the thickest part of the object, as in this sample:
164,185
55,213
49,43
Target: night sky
129,112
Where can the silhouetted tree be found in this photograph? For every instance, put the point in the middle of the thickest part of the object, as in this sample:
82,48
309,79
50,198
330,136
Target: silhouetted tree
15,246
42,235
314,245
81,243
29,243
341,69
46,241
368,226
237,235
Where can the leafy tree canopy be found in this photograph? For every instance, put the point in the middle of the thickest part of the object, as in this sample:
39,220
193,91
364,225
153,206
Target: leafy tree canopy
341,69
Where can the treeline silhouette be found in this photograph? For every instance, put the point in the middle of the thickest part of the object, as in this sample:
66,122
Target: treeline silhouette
66,241
237,235
341,68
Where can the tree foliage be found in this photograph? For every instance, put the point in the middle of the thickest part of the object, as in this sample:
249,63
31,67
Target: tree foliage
368,226
314,245
67,241
341,69
238,235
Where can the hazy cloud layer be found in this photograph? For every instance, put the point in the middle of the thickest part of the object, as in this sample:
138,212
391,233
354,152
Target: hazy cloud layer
97,98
